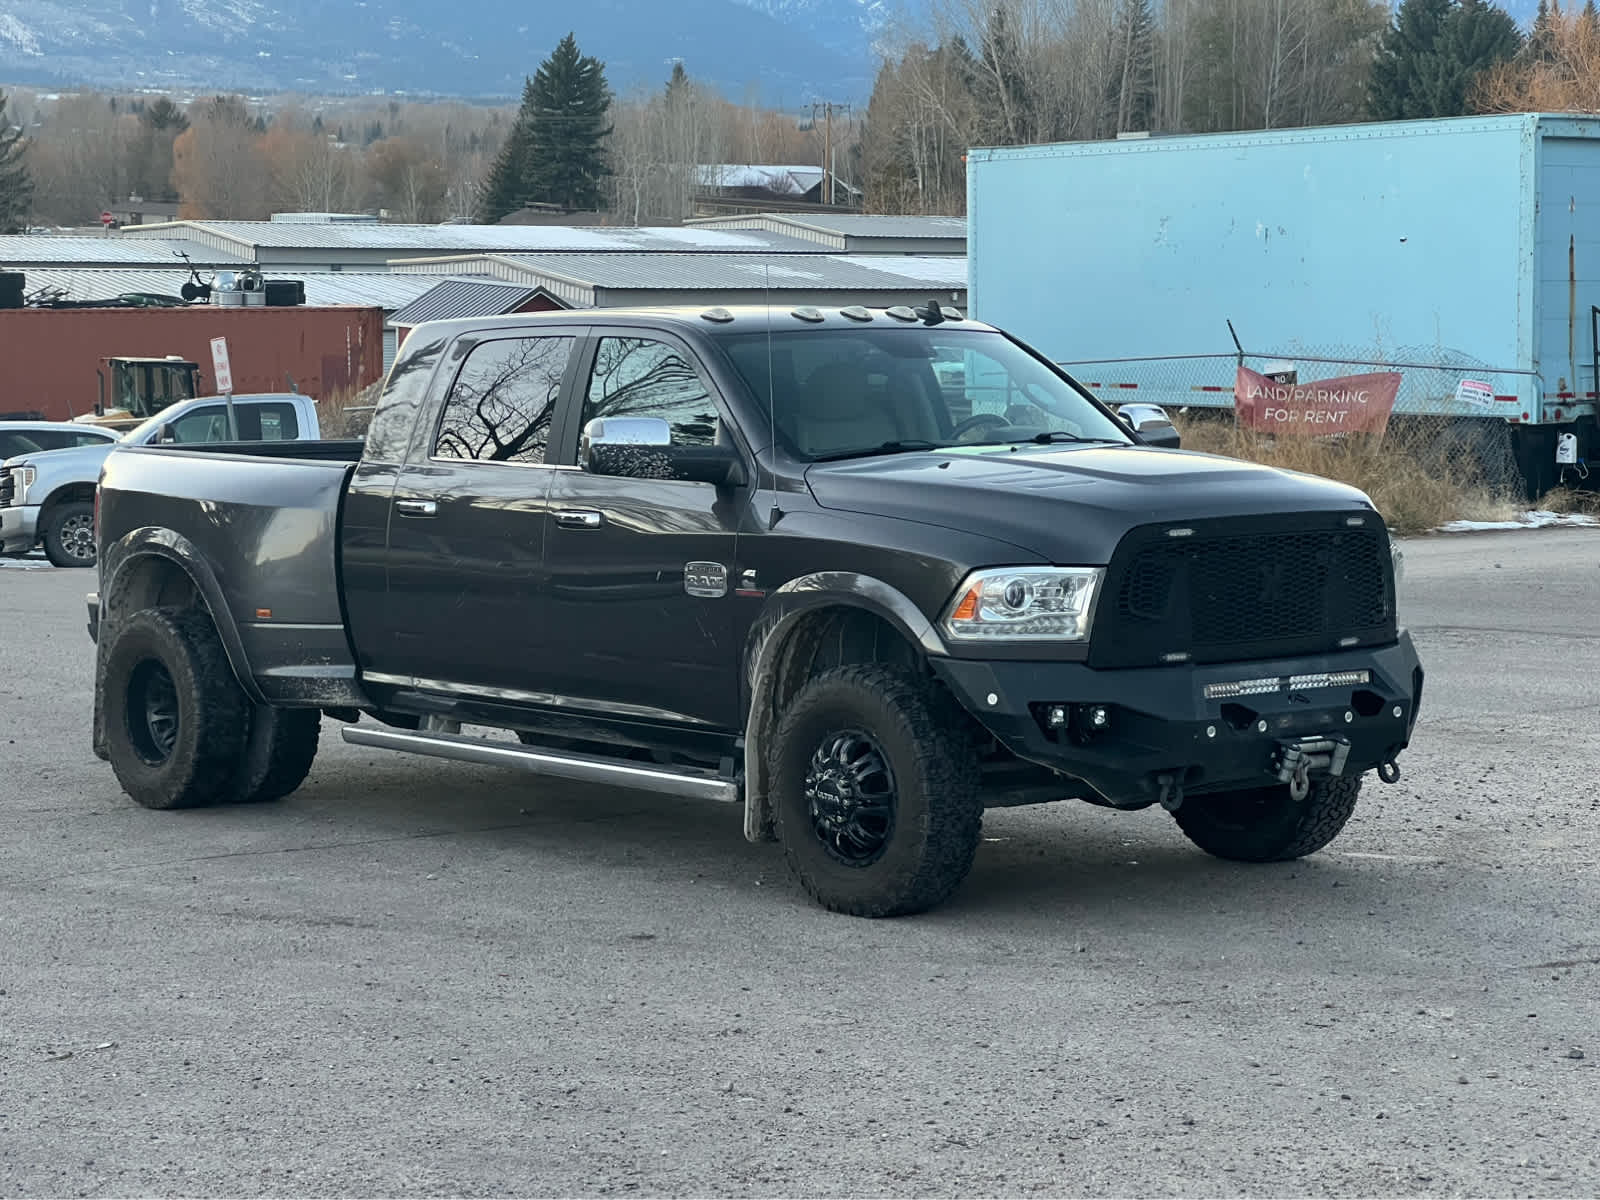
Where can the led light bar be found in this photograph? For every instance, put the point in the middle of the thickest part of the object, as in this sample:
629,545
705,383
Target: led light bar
1300,683
1244,687
1285,683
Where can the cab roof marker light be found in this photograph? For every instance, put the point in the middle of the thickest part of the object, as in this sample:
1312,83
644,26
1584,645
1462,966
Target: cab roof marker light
856,313
813,315
719,316
901,312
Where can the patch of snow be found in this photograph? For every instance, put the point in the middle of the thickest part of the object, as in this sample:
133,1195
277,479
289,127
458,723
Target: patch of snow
18,34
26,564
1534,519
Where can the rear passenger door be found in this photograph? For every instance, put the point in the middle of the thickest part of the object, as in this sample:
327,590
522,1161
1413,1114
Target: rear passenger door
466,538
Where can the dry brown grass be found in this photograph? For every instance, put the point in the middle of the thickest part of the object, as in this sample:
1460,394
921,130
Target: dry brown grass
1414,485
1569,500
346,412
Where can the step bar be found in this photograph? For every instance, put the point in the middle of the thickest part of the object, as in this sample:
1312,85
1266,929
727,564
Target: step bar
557,764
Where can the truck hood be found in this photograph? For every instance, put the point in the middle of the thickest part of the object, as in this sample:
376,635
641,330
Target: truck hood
1069,504
76,460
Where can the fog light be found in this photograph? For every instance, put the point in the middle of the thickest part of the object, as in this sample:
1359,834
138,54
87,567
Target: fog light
1099,717
1056,718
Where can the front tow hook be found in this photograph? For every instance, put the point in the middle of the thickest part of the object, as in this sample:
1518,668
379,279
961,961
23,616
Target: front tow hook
1297,758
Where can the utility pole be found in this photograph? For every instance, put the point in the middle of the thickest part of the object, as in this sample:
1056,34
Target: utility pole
828,107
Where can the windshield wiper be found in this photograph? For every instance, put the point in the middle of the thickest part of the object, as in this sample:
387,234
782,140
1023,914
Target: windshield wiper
894,447
1051,436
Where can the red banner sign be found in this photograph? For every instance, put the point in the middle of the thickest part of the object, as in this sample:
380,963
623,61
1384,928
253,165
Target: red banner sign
1348,404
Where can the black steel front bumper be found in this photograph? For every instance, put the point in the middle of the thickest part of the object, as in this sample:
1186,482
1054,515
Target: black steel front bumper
1161,727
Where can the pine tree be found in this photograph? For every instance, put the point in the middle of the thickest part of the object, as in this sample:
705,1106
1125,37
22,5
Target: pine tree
1131,90
678,85
1477,36
568,158
505,187
1541,40
16,183
1407,47
163,116
1432,54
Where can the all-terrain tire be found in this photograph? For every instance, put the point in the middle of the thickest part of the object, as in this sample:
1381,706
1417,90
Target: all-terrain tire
175,718
278,753
68,534
1268,824
935,811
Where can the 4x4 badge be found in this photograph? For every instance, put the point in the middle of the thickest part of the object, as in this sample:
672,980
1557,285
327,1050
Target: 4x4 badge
708,580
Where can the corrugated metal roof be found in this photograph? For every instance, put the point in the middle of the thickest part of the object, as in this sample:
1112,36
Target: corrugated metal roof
446,239
858,225
463,298
381,289
21,250
756,272
837,228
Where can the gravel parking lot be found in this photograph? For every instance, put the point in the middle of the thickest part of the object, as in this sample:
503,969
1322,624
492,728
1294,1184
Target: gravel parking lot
424,978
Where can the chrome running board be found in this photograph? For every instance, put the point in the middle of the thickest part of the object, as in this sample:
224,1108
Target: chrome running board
585,768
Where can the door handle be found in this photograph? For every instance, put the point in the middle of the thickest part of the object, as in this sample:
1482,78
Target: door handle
579,518
416,508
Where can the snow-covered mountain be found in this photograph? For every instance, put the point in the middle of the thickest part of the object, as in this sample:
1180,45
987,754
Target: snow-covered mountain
793,50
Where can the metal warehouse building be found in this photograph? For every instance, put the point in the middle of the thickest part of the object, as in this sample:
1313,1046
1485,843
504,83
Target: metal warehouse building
425,272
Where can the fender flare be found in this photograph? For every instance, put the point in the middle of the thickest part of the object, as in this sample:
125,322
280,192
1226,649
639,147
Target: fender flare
785,609
153,542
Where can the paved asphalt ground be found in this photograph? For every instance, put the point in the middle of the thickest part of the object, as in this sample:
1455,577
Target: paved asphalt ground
415,978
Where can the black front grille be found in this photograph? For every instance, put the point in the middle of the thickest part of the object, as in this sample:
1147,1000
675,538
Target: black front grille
8,488
1228,591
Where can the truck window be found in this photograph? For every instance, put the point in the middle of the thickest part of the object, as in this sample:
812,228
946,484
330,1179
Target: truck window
835,392
499,407
13,444
273,422
641,377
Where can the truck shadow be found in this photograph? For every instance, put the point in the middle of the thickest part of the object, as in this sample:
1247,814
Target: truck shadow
1062,860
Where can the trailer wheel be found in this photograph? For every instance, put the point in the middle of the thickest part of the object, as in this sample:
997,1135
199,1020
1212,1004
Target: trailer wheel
278,753
68,534
875,791
1267,824
175,718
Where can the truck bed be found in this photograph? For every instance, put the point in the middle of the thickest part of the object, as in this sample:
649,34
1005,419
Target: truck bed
261,524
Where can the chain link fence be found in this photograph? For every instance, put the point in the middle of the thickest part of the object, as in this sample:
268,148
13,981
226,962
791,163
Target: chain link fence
1452,431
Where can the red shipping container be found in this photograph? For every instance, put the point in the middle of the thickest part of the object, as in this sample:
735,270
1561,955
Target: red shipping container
52,356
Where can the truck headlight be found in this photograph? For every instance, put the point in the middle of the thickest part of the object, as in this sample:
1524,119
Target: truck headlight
22,478
1024,604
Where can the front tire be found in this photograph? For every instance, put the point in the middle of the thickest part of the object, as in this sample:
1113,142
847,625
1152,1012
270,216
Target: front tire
875,791
68,534
175,718
1267,824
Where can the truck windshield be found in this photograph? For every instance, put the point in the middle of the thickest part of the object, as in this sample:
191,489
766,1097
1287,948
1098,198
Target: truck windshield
845,393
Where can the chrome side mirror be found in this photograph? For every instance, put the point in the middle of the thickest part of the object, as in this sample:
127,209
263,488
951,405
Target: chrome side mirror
621,431
1151,423
641,448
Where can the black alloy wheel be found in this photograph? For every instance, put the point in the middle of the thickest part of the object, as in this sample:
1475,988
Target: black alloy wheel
152,712
850,792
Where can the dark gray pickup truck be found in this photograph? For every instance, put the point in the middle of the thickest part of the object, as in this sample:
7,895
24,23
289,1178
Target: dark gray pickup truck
864,572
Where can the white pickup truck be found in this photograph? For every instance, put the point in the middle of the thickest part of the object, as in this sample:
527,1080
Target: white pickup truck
48,496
